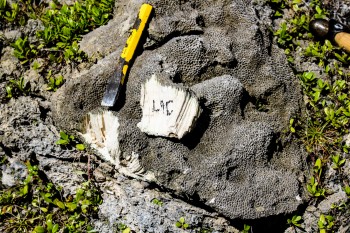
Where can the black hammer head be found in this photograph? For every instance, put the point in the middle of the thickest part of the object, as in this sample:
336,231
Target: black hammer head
113,88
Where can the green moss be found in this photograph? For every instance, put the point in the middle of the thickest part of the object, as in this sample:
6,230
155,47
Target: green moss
327,118
65,25
20,11
17,88
36,205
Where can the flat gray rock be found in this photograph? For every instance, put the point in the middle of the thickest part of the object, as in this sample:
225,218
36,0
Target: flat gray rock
233,160
27,130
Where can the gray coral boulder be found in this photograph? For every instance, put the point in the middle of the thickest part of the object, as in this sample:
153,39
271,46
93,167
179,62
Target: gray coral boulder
232,159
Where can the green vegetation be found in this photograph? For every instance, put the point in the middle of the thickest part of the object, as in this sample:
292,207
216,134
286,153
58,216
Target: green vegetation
325,120
8,13
69,140
157,202
347,190
63,28
36,65
337,162
17,87
3,159
205,230
295,221
36,205
246,228
182,224
122,228
19,12
65,25
54,82
313,185
325,223
24,51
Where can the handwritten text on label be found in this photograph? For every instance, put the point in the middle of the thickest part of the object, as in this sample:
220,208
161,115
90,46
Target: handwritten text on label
162,105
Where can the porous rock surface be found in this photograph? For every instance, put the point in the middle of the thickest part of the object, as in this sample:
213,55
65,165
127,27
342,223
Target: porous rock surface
27,133
26,129
130,202
234,160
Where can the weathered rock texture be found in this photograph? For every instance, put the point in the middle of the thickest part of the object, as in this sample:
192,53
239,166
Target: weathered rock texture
26,132
233,160
130,202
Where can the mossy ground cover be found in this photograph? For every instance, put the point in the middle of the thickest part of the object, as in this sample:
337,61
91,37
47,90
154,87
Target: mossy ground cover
323,127
55,41
63,27
36,204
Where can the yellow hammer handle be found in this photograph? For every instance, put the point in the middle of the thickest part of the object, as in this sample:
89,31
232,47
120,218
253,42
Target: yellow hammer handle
135,36
343,40
136,33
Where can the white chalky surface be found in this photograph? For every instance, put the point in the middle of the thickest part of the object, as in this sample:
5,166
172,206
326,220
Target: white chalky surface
167,111
101,131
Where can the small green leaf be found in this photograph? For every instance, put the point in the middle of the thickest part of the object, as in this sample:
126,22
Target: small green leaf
49,224
329,218
39,229
347,190
71,206
318,163
127,230
178,224
182,220
80,147
55,228
9,91
291,121
25,190
61,142
63,135
297,224
317,95
322,220
59,203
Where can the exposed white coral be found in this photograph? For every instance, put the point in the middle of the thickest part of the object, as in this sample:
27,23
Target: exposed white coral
133,168
101,132
167,110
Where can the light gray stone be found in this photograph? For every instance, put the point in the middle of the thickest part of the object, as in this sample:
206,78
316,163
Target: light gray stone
13,173
337,198
27,129
129,202
13,35
108,38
